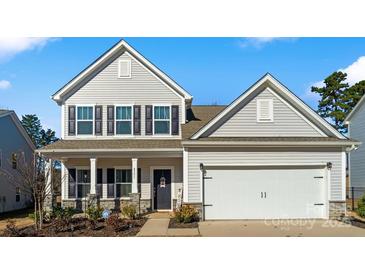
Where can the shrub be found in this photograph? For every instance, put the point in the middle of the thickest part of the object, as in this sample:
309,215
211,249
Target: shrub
11,230
186,214
94,213
130,211
113,222
361,207
62,218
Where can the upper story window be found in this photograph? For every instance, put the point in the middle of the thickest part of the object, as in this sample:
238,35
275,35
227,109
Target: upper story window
85,120
265,110
161,119
123,120
124,68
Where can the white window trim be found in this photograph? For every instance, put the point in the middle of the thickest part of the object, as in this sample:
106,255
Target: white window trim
115,181
132,118
77,120
153,120
1,158
77,183
130,68
271,111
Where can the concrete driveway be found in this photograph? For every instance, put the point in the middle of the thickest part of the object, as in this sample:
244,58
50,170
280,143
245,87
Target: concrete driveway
279,228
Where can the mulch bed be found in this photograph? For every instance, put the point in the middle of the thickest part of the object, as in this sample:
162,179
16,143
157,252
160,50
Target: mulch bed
174,224
81,227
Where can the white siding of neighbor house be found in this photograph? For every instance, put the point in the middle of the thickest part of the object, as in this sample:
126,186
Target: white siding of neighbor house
144,163
106,88
11,141
286,122
357,157
257,156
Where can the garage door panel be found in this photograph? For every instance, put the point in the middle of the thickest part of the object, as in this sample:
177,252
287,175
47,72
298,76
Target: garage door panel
259,193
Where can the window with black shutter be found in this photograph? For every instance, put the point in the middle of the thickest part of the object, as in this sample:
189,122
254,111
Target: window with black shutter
110,182
71,120
137,120
99,182
149,120
175,120
98,120
71,183
110,120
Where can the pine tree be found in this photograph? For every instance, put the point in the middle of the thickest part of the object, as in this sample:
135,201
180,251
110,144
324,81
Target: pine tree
334,97
32,126
354,94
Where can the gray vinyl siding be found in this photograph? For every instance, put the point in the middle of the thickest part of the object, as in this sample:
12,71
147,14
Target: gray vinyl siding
357,157
106,88
256,156
286,121
11,141
145,164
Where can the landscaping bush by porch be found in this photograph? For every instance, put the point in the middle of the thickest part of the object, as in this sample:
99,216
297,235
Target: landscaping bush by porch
361,207
186,214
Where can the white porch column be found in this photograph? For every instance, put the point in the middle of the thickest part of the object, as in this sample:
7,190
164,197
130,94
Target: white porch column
134,175
92,176
48,187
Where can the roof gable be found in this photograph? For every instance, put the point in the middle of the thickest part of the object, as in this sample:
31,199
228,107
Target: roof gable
287,96
120,47
15,119
356,108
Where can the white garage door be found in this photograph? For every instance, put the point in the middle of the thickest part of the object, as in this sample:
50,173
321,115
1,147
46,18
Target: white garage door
265,193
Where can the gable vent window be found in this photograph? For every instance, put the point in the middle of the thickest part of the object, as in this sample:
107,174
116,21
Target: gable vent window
124,68
265,110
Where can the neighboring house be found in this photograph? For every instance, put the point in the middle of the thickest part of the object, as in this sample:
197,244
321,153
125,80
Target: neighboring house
356,129
15,146
130,134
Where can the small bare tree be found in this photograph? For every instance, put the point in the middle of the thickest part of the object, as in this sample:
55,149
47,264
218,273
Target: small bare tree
31,177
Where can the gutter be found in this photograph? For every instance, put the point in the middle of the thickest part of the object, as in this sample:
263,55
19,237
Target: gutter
270,143
110,150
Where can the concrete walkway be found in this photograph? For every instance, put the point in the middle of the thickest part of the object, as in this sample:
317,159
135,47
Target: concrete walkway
157,225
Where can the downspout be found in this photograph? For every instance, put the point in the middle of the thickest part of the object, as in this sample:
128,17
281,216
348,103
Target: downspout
203,190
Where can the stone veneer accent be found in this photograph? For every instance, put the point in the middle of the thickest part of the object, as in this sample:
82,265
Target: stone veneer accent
142,205
337,209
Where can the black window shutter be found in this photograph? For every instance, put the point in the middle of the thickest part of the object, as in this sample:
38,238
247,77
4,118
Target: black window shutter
99,182
148,120
98,120
175,120
139,179
110,120
137,120
71,183
110,182
71,120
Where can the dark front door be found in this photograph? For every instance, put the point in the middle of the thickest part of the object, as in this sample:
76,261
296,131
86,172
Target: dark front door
162,188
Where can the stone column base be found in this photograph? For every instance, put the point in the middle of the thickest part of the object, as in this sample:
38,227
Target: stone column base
337,209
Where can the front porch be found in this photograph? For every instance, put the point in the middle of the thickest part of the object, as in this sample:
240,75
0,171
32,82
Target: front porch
152,181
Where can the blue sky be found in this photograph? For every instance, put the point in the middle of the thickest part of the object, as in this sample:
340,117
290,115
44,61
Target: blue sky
213,70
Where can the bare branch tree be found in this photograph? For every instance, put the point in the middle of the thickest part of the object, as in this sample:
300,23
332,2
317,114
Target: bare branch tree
31,177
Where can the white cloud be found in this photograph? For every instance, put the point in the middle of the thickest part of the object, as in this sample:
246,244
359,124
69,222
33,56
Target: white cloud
355,71
4,84
260,42
9,47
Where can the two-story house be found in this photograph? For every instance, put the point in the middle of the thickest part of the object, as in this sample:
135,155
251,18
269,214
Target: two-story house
130,134
16,151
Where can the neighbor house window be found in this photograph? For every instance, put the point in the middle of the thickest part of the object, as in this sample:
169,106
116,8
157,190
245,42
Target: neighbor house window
265,111
161,118
123,120
124,68
123,182
17,194
85,120
83,183
14,160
